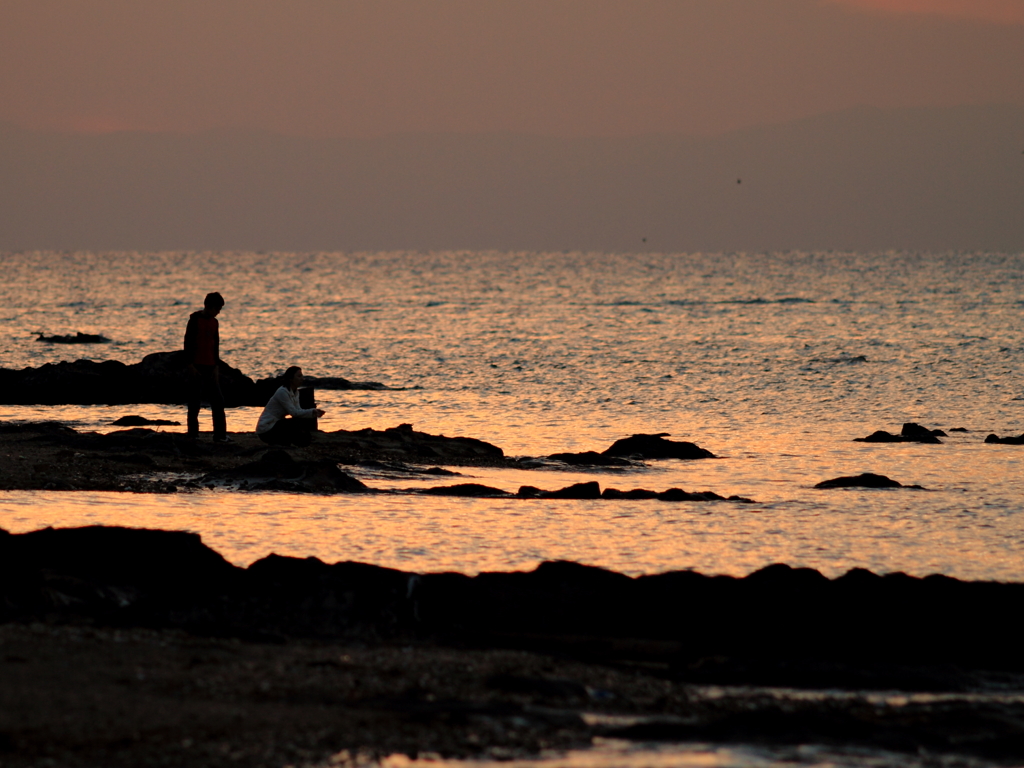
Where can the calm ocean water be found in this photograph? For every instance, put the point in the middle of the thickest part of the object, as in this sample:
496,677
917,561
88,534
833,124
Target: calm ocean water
774,362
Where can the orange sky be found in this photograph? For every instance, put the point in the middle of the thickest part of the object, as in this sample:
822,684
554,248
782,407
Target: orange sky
554,67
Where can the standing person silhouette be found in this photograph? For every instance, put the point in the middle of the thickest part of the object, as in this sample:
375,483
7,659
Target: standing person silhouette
202,361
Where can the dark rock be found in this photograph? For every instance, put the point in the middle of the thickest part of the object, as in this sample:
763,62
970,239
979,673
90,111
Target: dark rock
1005,440
677,494
403,443
398,468
911,433
959,429
78,338
469,490
656,447
696,627
138,459
142,421
880,436
158,378
125,574
336,382
590,458
866,480
278,470
553,688
636,493
672,494
916,431
590,490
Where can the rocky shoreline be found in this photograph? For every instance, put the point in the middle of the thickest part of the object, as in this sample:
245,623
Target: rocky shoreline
158,378
54,456
142,647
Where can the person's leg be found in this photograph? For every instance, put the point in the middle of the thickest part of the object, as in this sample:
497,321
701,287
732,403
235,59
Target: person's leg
216,398
194,397
298,433
288,431
276,435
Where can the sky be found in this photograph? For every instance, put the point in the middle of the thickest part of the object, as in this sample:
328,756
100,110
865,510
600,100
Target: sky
565,68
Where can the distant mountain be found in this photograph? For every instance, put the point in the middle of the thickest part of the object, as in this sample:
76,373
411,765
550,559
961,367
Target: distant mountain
864,179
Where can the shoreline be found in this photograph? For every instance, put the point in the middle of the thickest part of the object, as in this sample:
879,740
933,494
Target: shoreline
143,647
53,456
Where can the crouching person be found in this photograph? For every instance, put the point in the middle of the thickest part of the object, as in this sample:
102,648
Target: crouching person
281,422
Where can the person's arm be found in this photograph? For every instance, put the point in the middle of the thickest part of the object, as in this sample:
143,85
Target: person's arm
190,341
290,404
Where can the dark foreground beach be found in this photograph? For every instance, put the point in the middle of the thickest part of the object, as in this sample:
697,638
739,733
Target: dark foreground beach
126,647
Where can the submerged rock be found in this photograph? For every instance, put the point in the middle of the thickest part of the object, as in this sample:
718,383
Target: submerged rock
590,459
656,447
1009,440
589,490
636,493
911,433
77,338
142,421
467,490
865,480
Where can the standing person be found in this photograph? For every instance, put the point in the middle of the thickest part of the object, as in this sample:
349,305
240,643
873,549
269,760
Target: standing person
202,362
274,426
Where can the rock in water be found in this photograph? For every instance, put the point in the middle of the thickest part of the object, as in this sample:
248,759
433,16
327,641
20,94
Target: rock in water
911,433
78,338
467,490
656,447
866,480
276,470
1005,440
590,459
142,421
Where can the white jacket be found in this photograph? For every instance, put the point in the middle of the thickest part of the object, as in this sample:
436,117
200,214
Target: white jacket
283,403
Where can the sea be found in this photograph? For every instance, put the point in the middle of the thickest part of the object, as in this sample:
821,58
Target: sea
774,362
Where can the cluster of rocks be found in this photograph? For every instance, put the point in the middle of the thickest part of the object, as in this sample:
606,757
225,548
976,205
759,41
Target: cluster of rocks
624,452
587,490
155,578
76,338
911,433
158,378
53,456
277,470
1008,440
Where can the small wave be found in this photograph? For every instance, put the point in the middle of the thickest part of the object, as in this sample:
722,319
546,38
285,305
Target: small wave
840,359
759,300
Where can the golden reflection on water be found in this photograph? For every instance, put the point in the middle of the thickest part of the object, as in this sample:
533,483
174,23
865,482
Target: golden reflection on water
773,362
611,753
919,532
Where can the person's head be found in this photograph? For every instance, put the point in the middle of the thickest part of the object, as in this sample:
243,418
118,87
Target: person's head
213,303
293,378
